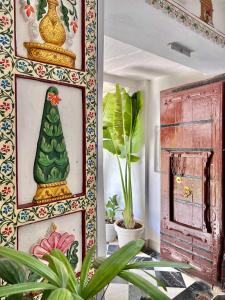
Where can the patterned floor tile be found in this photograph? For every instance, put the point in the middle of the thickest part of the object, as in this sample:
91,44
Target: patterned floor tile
117,292
180,286
197,291
171,279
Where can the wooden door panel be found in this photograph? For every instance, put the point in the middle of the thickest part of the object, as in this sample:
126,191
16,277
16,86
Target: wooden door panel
191,132
189,178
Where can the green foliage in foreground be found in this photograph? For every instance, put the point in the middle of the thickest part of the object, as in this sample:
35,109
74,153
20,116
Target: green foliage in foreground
26,275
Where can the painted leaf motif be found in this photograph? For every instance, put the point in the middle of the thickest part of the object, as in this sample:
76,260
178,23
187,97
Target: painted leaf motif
72,254
55,175
41,9
62,160
65,13
40,175
46,147
44,160
48,129
60,147
57,130
53,116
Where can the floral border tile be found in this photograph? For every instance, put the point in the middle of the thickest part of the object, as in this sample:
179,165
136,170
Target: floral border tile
10,216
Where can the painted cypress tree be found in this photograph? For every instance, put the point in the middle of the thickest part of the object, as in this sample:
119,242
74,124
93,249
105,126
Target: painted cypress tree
51,166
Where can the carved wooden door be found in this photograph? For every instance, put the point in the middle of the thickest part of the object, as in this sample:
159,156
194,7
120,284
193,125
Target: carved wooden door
191,185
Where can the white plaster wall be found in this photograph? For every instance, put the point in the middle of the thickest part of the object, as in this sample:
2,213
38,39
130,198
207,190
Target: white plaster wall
153,121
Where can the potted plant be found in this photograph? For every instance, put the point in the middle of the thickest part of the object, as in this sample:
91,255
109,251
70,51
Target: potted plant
57,280
123,136
111,208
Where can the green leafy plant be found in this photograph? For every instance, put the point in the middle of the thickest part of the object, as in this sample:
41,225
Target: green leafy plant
59,282
111,208
123,136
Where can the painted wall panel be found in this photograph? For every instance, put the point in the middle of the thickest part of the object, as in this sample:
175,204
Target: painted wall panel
51,100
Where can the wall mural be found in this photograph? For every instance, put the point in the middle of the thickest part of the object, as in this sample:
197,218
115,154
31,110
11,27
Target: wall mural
48,125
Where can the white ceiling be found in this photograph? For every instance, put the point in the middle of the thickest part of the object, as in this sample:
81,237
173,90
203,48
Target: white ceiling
138,35
128,61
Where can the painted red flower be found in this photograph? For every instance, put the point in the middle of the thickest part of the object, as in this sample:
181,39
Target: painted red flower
4,20
41,71
91,179
90,211
5,148
29,10
91,14
6,190
91,47
91,147
7,230
5,106
42,212
5,63
55,241
74,77
91,82
74,26
54,98
74,205
91,114
91,243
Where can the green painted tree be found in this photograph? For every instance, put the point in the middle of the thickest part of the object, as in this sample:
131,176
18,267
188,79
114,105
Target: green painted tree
51,162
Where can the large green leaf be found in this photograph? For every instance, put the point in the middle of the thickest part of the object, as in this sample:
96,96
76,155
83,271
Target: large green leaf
31,263
61,294
111,267
144,285
59,268
15,297
11,272
85,269
158,264
27,287
73,284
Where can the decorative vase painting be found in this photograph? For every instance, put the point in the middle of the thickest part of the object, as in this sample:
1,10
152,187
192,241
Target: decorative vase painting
50,121
50,31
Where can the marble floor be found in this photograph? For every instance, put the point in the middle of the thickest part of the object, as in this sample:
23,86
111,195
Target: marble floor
180,286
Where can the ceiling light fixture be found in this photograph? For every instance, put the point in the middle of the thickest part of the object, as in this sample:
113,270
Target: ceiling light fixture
180,48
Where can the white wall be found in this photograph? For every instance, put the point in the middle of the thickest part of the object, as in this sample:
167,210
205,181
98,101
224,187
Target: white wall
153,122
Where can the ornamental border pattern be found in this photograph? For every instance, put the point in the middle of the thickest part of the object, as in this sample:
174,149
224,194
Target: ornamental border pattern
194,23
12,217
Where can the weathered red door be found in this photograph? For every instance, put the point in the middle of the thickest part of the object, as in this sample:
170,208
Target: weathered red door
191,178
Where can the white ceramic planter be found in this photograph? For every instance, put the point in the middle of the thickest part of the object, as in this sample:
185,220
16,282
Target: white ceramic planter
110,233
127,235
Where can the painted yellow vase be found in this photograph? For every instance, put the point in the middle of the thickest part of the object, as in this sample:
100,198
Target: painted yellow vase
51,28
